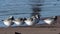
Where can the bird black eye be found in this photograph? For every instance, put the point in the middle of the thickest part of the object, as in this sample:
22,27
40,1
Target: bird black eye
2,20
21,18
31,19
12,18
25,19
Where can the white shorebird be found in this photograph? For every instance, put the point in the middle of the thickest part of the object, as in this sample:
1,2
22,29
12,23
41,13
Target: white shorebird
18,21
32,21
50,20
8,22
29,21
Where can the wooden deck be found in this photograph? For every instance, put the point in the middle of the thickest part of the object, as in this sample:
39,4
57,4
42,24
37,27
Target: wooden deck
28,30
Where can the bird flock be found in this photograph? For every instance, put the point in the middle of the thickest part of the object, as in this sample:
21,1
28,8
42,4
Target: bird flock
33,20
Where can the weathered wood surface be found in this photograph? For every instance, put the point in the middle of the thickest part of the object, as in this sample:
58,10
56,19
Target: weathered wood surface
28,30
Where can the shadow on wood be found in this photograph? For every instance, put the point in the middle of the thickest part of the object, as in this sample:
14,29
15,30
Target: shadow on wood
17,33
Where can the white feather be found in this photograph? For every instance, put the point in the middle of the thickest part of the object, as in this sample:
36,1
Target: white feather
8,21
18,22
48,21
29,22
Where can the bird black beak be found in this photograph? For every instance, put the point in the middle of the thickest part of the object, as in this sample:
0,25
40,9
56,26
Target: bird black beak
2,20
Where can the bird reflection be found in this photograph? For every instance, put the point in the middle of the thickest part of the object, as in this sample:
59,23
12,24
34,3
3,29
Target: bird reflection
36,8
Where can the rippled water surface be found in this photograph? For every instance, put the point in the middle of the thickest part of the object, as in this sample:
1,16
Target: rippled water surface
23,8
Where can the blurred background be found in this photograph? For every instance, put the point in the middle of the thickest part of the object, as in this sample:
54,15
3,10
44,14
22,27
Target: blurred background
28,8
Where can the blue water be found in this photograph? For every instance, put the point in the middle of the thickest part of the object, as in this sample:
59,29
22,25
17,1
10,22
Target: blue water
15,7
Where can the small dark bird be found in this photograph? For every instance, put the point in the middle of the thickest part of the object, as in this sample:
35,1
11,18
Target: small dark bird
17,33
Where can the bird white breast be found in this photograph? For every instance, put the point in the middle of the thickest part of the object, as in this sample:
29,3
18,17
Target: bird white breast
18,22
7,23
29,22
48,21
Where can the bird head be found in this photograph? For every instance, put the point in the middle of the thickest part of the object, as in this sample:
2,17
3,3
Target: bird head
2,20
37,16
11,17
54,16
